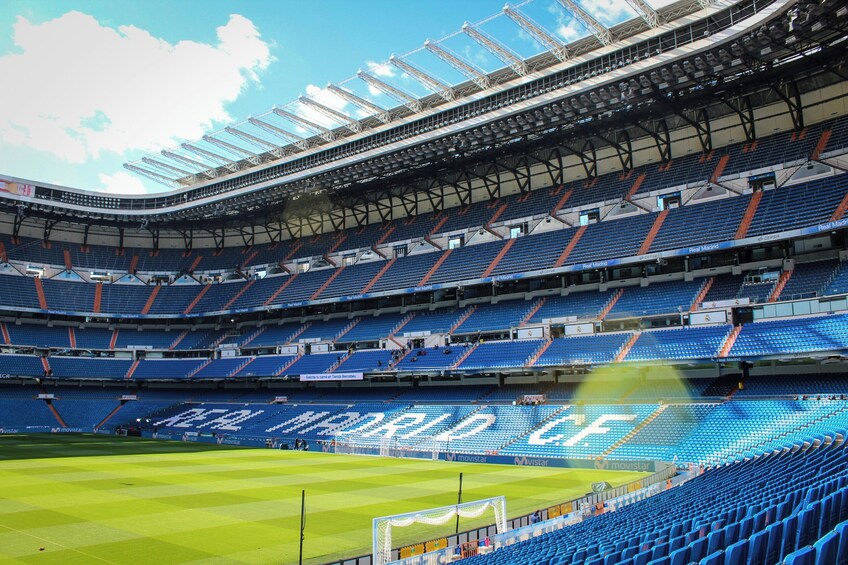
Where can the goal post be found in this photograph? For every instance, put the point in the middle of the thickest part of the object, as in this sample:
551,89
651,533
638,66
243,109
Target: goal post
382,534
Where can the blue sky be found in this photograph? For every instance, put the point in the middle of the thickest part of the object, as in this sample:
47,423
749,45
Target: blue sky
88,85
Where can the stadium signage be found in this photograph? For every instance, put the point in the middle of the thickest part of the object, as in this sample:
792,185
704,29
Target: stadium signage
331,377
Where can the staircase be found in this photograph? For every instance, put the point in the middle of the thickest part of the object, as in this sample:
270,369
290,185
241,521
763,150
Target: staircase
238,369
635,188
327,283
195,263
150,299
820,146
651,417
702,294
724,351
198,368
379,274
72,337
468,311
108,416
114,339
300,330
465,355
283,287
532,312
720,166
566,195
534,428
253,336
749,215
285,367
238,295
575,239
177,341
197,298
332,368
98,298
840,210
347,328
434,268
129,373
504,250
133,263
652,233
39,290
406,319
6,339
781,283
439,224
56,414
611,304
625,349
498,213
539,352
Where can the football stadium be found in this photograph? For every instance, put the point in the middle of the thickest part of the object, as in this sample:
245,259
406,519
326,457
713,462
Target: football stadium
585,306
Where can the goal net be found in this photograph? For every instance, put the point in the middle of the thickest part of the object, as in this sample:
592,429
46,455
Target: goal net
382,535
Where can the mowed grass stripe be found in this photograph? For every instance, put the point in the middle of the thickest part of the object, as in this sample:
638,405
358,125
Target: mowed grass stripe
141,501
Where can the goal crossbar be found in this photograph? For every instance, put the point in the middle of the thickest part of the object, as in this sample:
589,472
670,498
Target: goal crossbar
382,535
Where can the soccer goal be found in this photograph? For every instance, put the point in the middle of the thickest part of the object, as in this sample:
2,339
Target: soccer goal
382,535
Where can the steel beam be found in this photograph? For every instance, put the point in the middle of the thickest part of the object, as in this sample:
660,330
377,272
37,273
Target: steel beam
298,141
380,113
320,130
498,49
477,76
429,81
406,99
554,45
342,118
599,30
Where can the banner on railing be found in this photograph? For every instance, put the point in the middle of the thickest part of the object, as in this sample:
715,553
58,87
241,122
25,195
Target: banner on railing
331,377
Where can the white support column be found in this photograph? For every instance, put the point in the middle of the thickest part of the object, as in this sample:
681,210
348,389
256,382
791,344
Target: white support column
272,148
342,118
476,75
597,28
204,167
554,45
646,12
228,163
498,49
380,113
425,79
251,157
298,141
321,131
407,100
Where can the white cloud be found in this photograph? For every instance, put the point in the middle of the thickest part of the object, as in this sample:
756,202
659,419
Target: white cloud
383,70
121,183
78,89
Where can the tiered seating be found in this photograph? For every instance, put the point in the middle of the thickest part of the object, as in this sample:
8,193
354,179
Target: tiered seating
584,350
808,279
579,304
838,284
705,521
157,339
791,385
561,436
509,422
490,317
438,321
501,354
166,368
93,338
39,336
23,365
275,335
371,328
325,330
658,298
366,361
797,206
530,253
84,413
220,368
797,335
606,240
687,343
443,394
311,364
434,359
660,438
89,367
200,339
266,366
467,262
684,227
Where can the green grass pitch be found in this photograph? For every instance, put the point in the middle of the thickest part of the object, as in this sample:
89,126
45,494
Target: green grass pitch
82,499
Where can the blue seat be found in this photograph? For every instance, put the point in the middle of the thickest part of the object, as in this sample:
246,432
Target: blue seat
642,558
827,549
790,534
715,541
804,556
775,542
737,553
698,549
679,556
842,532
716,558
661,561
757,547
